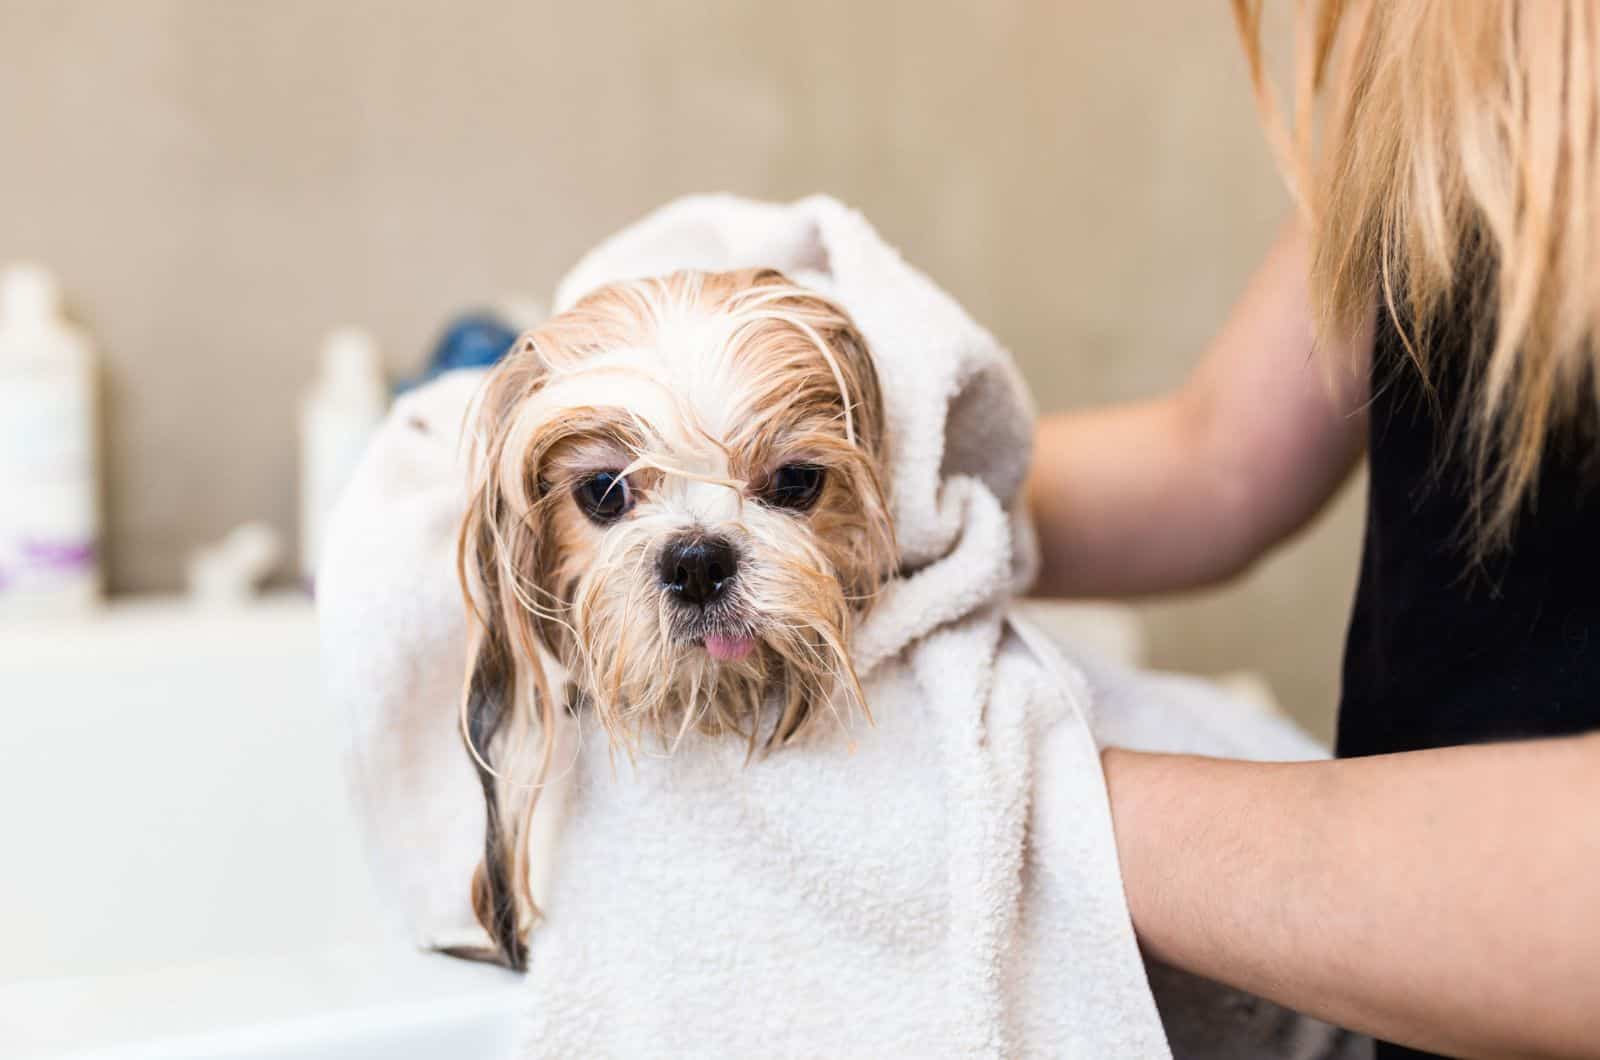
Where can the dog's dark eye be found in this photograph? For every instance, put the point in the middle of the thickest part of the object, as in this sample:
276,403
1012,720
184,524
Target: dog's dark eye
794,486
604,497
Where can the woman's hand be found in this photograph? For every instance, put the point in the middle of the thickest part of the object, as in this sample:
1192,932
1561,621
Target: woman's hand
1191,488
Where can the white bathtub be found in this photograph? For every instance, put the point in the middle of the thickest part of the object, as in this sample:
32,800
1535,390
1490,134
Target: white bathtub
180,875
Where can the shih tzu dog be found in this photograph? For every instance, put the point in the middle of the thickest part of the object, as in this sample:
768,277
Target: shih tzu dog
678,513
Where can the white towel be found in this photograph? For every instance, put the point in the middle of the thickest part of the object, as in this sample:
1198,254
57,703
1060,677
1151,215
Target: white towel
943,882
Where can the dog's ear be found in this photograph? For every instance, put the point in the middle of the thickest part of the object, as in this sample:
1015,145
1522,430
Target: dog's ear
507,712
866,405
498,889
859,375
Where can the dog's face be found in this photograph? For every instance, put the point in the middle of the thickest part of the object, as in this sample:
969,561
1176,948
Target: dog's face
679,498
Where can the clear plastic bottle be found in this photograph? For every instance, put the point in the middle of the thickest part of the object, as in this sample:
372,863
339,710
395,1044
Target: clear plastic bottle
343,409
50,528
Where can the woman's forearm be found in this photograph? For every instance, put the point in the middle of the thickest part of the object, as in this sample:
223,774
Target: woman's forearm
1189,489
1125,505
1448,899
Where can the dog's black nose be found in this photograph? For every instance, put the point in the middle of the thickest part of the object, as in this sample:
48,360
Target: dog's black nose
698,570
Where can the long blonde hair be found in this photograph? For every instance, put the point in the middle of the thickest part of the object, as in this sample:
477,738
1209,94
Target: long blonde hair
1444,154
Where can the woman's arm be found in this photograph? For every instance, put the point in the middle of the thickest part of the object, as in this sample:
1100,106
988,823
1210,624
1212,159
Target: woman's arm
1190,488
1446,899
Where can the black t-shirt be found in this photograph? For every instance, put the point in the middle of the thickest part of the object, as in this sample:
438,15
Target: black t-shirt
1442,650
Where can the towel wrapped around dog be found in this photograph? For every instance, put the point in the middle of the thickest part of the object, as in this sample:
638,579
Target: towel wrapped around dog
939,881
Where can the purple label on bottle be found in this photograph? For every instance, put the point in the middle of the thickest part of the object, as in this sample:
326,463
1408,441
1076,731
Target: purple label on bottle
59,555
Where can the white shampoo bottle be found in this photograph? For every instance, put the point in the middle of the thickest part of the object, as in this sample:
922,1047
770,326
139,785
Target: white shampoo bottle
343,409
50,560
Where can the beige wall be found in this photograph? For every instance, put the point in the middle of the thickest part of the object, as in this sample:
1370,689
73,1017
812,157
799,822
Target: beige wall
220,182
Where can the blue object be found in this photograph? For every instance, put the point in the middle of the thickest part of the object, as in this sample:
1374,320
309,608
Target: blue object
472,340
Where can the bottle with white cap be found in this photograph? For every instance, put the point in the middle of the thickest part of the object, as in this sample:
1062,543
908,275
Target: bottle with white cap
345,406
49,483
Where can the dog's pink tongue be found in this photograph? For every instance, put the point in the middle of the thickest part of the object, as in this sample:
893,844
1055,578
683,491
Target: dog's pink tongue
729,649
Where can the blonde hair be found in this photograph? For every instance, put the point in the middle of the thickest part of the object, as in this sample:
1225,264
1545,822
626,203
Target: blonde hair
1444,154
